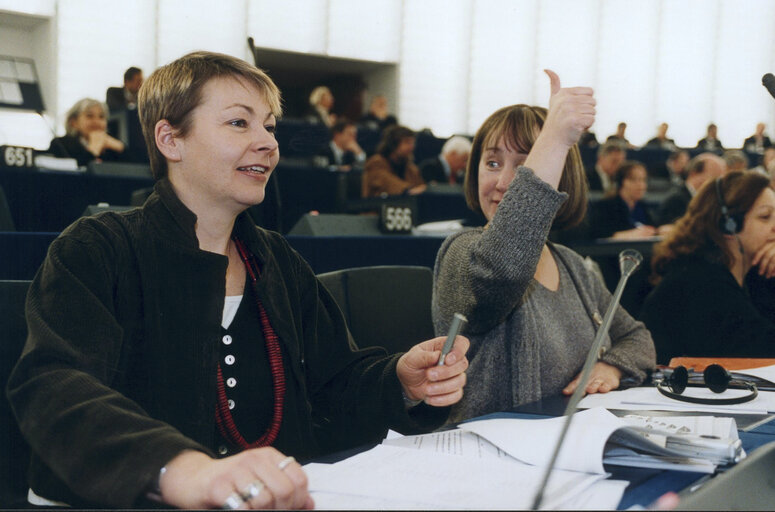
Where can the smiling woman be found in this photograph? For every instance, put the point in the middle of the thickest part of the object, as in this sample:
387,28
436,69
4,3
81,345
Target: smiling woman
701,306
533,308
178,352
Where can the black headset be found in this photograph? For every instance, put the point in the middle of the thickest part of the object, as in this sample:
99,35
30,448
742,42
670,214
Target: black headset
715,377
729,224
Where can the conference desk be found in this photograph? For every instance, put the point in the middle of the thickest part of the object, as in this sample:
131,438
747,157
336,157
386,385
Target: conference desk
647,485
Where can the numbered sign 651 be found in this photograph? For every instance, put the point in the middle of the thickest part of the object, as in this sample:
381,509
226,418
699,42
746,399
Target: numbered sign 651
17,156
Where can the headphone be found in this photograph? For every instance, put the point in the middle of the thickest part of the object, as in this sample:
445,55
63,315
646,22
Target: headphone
715,377
729,224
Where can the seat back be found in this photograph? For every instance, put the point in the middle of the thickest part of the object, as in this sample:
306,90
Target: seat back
387,306
14,452
6,219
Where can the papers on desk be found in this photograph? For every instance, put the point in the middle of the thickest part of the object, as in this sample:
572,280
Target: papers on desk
498,464
391,477
649,399
595,437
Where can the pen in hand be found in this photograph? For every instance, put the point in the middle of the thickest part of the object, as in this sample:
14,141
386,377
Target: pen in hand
458,321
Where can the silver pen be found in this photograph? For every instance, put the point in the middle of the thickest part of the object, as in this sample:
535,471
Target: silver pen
454,329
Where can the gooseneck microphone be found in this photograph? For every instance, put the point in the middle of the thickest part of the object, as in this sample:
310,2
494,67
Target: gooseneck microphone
768,81
629,260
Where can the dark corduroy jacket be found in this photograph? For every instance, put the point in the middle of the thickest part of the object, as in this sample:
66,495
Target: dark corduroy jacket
118,373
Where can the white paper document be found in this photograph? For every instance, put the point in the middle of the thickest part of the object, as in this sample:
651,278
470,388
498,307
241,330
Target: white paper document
649,398
391,477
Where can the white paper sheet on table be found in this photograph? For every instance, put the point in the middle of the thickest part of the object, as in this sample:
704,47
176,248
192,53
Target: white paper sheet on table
649,398
414,479
766,373
582,449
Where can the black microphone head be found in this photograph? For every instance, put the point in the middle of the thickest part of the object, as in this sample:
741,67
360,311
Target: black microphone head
629,260
768,81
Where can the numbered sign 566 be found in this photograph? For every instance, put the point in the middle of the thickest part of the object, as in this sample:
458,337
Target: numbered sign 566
17,156
396,219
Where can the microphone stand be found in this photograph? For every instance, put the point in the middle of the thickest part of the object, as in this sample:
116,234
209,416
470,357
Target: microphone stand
629,259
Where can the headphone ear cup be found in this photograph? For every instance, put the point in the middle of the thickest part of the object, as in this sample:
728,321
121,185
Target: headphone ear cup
737,220
717,378
678,380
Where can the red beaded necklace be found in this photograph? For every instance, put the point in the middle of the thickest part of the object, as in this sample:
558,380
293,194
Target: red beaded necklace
223,417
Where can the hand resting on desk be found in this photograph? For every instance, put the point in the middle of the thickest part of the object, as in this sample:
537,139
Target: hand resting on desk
604,378
194,480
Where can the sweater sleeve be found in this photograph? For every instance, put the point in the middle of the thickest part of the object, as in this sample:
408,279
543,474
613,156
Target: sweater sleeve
102,444
483,274
632,349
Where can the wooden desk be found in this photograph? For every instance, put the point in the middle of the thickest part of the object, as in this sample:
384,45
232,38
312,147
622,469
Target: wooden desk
730,363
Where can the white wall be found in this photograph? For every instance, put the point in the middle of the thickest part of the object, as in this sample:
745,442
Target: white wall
687,62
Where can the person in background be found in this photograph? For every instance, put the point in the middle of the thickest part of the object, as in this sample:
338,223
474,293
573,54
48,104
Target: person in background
588,139
767,165
623,214
736,160
676,164
700,169
379,117
620,136
179,353
450,165
86,138
125,98
343,151
391,171
700,306
757,142
533,307
710,142
609,157
321,101
661,140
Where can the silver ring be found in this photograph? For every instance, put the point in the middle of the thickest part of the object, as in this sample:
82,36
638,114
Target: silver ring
233,502
252,490
285,462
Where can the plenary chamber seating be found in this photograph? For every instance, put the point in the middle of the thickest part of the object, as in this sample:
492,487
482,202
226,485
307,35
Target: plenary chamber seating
386,306
14,452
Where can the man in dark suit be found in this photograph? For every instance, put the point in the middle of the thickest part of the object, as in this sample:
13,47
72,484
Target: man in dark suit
701,168
450,165
757,142
343,151
125,98
609,157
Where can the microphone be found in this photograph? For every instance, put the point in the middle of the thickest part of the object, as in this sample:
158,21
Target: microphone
629,260
768,81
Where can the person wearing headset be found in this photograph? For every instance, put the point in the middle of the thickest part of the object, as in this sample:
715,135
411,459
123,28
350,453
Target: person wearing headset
701,306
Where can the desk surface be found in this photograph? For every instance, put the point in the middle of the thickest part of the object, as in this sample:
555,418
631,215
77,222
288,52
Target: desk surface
646,485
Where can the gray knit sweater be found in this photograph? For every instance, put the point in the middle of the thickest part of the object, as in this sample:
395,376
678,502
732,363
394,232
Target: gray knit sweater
527,342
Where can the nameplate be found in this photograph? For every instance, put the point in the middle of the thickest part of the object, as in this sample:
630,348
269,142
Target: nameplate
396,217
17,156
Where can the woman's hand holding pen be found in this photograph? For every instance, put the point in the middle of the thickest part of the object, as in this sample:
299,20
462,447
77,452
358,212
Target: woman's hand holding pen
422,378
261,478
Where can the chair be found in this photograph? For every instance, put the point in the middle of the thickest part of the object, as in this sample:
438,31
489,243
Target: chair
387,306
14,452
6,219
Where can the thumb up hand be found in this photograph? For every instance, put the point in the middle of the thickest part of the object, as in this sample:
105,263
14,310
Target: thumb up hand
571,110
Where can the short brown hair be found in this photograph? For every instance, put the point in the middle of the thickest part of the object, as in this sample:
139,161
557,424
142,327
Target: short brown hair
698,231
519,126
173,91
